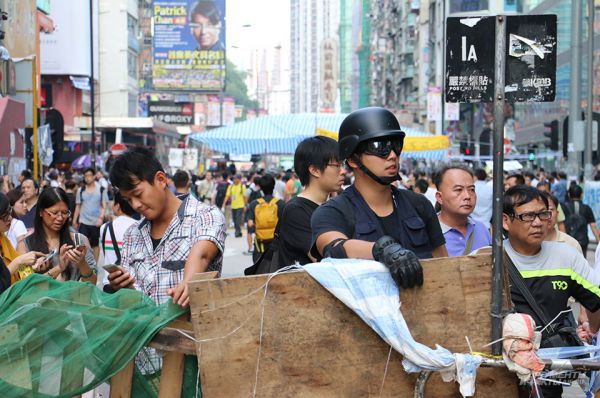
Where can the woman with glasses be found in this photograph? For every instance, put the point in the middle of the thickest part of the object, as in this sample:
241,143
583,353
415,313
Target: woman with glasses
13,266
17,231
51,232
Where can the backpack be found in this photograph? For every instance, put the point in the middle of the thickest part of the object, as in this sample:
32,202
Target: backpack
575,223
221,193
265,219
83,188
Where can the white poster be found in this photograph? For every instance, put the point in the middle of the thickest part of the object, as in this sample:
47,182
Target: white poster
176,158
452,111
434,105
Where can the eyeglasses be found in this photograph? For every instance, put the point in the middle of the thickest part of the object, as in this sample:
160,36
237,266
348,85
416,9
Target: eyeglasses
6,216
529,217
55,214
381,148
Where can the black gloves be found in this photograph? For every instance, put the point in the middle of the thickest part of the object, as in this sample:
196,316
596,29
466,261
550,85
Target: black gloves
404,265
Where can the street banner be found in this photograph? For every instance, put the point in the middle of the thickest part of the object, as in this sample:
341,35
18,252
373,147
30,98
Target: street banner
170,112
213,110
188,45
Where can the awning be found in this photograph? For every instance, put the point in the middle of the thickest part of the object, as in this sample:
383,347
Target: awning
280,134
12,118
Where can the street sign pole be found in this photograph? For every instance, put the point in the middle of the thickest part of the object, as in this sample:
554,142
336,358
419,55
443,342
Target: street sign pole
575,93
589,168
498,173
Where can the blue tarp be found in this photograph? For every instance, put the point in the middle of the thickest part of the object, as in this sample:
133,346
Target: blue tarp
280,134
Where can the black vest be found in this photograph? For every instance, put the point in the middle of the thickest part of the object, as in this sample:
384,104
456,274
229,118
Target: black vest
412,230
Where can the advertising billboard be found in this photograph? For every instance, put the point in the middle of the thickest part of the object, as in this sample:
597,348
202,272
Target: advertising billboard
179,113
188,45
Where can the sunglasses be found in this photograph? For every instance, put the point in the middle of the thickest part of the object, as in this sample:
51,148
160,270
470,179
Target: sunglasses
381,148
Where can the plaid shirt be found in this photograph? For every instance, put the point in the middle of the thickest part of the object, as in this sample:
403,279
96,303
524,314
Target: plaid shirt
156,270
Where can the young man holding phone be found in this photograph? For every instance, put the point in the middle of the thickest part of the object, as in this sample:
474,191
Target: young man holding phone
173,240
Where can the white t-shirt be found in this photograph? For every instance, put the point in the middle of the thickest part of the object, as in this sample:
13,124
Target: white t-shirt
120,225
430,194
16,230
485,200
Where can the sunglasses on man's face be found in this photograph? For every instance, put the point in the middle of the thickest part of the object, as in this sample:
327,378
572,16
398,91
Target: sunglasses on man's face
381,148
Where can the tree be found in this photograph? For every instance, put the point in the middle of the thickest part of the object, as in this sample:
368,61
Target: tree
235,86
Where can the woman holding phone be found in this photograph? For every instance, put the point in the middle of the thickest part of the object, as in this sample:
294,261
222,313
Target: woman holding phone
75,259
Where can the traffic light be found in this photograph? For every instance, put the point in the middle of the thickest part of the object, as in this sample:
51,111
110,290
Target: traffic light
531,151
467,148
552,134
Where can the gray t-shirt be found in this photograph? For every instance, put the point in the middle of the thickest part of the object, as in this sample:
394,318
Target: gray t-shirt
91,205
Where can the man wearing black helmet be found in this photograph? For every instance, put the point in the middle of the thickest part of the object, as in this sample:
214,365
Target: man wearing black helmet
372,219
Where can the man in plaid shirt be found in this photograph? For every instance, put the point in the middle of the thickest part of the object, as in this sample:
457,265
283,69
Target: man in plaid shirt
174,240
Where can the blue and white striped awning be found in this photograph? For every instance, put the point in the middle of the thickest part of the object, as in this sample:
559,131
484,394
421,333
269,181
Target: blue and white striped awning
280,134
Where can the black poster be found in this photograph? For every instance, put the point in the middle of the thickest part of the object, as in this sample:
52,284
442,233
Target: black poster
470,55
530,58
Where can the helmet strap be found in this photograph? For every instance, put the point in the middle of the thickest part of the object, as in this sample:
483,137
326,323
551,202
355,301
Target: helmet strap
377,179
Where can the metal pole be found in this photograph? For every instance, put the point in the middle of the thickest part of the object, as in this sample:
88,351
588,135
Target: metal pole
443,95
589,168
575,95
498,153
92,101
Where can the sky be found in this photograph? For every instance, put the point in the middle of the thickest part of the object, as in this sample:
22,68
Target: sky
270,26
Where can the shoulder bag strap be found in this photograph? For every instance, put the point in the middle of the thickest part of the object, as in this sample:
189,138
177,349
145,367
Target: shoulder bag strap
517,280
469,243
104,239
114,242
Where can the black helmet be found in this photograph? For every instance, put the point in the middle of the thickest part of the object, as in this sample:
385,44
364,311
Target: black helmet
365,124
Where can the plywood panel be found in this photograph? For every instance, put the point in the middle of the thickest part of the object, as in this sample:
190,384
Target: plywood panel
312,345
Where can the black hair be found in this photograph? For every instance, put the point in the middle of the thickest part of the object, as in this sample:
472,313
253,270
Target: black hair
208,9
48,198
480,174
314,151
439,176
35,184
4,204
543,184
89,170
519,195
133,166
181,179
575,191
422,185
13,197
551,197
124,204
520,179
266,184
562,175
27,174
70,184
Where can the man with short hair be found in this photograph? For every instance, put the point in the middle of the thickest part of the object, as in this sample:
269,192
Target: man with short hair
513,180
236,195
320,171
181,180
263,215
372,219
577,218
544,186
206,188
457,199
30,193
552,271
421,186
90,209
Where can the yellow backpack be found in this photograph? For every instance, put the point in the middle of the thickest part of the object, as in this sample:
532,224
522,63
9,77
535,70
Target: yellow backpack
265,219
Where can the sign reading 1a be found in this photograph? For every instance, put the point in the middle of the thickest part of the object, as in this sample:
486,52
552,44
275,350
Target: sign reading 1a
470,47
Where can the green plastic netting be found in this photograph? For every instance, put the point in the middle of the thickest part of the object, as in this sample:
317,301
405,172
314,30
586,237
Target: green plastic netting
59,339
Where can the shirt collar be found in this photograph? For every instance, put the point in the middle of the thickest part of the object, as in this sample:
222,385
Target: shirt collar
446,228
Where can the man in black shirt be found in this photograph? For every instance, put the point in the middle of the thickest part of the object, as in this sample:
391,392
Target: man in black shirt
372,219
577,218
317,164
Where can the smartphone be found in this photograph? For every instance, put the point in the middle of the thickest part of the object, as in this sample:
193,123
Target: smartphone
51,255
78,243
110,268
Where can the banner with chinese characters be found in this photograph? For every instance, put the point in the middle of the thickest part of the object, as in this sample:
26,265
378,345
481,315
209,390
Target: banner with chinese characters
188,49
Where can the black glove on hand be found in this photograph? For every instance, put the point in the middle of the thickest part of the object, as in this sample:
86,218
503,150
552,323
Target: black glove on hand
403,264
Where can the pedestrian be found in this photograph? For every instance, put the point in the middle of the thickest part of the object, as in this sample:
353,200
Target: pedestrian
485,198
90,209
181,181
554,234
206,188
174,239
513,180
320,172
372,219
52,232
544,186
30,192
279,191
263,215
577,218
457,199
236,197
17,230
112,234
254,192
292,186
549,272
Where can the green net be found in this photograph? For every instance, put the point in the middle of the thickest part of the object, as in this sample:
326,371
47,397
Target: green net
60,339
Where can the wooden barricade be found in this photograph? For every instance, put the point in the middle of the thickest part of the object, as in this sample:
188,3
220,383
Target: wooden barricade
296,339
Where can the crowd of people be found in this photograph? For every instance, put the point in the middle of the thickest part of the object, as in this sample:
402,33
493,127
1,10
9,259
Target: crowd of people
344,199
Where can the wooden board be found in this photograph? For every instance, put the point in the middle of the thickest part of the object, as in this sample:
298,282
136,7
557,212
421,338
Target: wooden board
314,346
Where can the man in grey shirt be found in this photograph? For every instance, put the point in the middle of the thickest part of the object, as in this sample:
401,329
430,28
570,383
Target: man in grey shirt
90,209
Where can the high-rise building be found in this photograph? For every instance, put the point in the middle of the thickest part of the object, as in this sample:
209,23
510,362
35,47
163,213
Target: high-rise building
355,54
312,21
